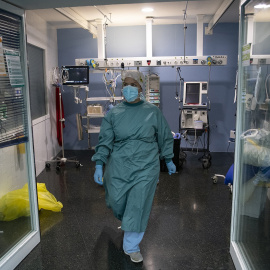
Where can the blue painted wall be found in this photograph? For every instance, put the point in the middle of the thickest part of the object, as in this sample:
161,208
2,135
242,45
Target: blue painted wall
126,41
167,41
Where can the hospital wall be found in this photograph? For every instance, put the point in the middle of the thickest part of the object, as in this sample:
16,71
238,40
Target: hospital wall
167,41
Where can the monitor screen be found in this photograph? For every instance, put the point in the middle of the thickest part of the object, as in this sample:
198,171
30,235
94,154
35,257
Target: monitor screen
75,75
192,93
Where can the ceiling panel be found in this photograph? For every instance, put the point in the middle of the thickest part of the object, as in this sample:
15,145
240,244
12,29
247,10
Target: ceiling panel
131,14
164,13
41,4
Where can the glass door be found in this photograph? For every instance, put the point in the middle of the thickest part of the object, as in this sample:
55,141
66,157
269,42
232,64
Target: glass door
250,232
19,225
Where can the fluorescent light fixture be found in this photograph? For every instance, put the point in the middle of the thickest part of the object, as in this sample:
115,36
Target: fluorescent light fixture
147,9
262,6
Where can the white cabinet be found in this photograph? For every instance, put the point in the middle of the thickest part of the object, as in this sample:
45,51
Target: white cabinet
95,111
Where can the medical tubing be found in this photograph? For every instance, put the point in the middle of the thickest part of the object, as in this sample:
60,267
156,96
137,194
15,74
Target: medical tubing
195,142
180,113
106,83
180,86
191,143
176,93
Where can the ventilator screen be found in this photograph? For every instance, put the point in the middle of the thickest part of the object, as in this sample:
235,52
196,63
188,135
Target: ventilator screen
192,93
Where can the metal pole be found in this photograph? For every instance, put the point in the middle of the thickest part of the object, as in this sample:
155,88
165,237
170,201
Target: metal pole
185,28
61,122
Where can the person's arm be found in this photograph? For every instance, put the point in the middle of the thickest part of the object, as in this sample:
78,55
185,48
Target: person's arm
106,139
165,143
165,139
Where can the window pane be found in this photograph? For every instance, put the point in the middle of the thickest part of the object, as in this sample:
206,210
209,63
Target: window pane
13,118
251,205
18,198
36,84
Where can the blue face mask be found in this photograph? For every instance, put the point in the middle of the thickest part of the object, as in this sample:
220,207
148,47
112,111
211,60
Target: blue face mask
130,93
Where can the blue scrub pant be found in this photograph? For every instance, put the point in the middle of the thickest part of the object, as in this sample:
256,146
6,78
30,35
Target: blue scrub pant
131,241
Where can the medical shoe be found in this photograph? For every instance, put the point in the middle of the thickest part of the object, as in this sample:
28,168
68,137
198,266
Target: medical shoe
135,256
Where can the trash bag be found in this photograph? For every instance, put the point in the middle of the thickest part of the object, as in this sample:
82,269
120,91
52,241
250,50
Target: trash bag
15,203
46,200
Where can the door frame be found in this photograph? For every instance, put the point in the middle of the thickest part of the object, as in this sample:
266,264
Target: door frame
237,253
21,249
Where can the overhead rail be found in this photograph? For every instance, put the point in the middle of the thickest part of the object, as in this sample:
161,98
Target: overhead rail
216,17
74,16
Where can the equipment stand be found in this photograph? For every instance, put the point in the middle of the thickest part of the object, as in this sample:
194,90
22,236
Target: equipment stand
62,160
206,158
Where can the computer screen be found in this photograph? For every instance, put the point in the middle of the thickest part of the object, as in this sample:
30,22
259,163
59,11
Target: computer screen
75,75
192,93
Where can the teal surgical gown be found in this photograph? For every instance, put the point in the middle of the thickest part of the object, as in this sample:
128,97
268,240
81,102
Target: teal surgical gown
133,137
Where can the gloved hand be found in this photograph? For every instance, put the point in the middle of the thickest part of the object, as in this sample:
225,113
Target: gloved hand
98,175
110,106
171,167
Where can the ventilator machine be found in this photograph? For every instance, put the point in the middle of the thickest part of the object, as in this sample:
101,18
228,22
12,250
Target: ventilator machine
194,121
194,112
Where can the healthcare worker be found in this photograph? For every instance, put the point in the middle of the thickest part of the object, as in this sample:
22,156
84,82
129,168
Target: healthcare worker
134,135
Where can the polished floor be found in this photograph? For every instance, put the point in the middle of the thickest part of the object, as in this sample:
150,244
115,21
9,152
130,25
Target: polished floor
189,226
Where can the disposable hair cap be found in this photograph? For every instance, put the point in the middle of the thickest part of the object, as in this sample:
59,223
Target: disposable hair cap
135,74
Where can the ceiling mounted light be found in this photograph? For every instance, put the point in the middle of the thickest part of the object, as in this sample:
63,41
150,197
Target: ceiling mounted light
262,6
147,9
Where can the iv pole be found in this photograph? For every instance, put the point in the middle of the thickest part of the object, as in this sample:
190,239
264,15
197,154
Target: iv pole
62,160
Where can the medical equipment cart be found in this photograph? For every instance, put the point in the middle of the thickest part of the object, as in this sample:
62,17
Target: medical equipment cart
194,129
